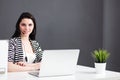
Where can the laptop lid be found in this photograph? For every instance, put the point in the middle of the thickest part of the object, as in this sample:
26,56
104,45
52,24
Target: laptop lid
58,62
3,59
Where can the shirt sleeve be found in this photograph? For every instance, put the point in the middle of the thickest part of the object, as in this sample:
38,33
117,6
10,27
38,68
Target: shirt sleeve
38,52
11,51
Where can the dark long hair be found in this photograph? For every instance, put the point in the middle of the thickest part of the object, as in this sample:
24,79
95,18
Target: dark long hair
22,16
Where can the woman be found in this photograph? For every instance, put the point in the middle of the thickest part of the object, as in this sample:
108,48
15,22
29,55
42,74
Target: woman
24,52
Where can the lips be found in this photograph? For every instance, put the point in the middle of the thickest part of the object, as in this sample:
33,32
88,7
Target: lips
25,32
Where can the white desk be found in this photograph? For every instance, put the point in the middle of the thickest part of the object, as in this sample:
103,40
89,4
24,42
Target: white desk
82,73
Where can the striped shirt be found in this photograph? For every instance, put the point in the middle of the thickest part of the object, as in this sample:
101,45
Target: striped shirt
15,51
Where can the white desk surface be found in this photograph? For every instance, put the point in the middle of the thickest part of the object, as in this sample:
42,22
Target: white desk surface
82,73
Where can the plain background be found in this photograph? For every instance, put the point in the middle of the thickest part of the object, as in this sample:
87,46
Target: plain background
66,24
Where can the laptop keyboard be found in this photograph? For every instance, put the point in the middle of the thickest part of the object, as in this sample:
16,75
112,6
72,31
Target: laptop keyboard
35,73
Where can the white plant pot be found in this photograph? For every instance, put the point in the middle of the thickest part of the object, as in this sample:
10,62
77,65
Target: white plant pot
100,68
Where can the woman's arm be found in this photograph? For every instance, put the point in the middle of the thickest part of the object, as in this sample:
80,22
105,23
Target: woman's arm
24,67
35,65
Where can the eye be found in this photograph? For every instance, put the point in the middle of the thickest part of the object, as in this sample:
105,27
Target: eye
30,24
23,24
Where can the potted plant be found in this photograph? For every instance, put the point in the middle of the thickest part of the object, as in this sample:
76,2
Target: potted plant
100,57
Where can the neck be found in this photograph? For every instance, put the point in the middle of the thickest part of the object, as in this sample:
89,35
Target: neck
24,38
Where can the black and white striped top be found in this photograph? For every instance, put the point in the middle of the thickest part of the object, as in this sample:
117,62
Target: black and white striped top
15,51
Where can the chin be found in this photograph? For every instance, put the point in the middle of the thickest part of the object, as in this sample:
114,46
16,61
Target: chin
25,35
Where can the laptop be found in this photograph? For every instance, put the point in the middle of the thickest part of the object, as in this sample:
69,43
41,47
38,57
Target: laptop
3,59
61,62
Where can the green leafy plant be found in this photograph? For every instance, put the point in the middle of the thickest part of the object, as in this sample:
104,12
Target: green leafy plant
100,56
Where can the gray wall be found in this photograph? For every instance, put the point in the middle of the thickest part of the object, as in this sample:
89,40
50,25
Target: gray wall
82,24
111,37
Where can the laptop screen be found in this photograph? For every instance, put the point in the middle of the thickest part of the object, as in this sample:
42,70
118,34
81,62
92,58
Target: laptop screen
58,62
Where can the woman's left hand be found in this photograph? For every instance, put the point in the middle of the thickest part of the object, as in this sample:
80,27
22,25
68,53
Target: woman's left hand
21,63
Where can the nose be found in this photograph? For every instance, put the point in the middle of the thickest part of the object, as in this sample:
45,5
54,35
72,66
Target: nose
27,27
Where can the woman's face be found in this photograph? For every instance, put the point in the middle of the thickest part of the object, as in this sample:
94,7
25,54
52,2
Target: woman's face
26,27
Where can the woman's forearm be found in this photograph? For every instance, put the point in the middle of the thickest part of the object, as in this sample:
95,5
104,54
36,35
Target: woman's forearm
17,68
